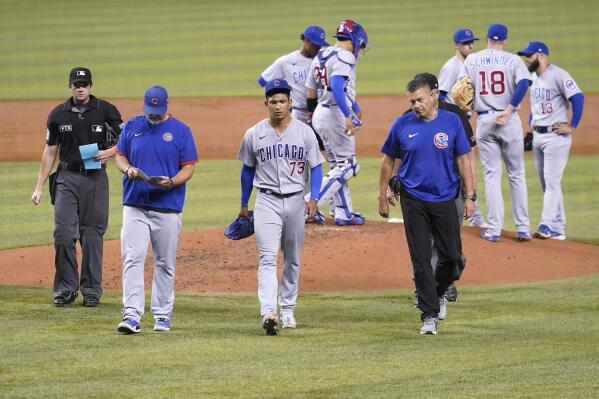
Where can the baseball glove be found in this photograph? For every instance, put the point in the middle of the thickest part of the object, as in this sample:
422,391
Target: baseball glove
463,94
240,228
395,185
528,141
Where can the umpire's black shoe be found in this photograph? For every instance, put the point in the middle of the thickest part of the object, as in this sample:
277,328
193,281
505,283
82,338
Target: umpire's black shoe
90,301
451,294
64,298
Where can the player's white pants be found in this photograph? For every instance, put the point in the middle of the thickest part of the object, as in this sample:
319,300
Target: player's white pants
496,142
140,227
278,223
550,152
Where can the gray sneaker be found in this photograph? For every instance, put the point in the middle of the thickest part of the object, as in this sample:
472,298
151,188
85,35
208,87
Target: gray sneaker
442,308
429,326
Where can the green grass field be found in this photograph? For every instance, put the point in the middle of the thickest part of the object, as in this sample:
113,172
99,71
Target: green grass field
207,48
517,341
213,199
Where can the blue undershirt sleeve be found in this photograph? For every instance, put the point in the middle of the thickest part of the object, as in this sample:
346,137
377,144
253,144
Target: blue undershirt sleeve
261,81
577,101
356,107
337,84
315,181
247,183
520,92
442,95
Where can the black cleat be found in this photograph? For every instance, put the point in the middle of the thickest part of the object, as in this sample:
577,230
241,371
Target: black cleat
90,301
65,298
269,323
451,293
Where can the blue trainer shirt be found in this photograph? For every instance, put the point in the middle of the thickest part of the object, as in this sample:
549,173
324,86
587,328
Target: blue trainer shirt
428,150
158,150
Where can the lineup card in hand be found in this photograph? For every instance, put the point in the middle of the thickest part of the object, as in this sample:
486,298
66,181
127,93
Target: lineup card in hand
149,179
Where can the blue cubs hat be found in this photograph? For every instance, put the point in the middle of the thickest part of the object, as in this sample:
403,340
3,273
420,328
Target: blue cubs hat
497,32
316,35
534,47
276,86
463,35
156,100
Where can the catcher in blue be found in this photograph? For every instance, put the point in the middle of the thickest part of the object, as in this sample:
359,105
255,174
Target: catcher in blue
336,119
551,90
277,154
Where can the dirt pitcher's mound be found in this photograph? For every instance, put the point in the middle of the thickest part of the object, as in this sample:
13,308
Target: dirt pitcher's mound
373,256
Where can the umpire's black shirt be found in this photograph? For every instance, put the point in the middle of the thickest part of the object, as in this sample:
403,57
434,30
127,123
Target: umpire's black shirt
70,126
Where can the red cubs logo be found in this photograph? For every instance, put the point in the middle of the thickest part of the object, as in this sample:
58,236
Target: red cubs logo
441,140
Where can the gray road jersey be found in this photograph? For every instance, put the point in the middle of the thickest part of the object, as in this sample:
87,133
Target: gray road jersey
494,74
282,161
448,75
549,96
332,61
294,68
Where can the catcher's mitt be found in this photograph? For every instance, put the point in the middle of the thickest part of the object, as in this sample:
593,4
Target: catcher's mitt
528,141
240,228
462,94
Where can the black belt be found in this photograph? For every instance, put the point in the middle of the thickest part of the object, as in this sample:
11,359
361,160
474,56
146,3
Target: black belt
80,168
329,106
486,112
273,193
543,129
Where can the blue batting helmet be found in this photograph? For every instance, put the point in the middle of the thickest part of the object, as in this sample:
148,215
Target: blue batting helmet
349,29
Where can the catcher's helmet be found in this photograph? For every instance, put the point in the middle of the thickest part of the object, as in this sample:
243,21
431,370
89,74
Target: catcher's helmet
349,29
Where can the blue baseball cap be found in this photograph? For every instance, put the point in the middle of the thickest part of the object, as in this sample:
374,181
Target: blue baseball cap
497,32
463,35
156,100
276,86
534,47
316,35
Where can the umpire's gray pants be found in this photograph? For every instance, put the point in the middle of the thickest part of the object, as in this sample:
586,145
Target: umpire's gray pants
80,213
140,226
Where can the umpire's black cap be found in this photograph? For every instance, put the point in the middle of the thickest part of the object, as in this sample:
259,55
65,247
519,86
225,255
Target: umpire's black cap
80,74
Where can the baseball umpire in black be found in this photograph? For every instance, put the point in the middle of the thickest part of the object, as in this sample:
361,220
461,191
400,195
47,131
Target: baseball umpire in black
79,195
432,149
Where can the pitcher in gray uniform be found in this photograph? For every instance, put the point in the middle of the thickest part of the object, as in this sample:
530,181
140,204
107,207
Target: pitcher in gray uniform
336,119
277,154
551,90
500,81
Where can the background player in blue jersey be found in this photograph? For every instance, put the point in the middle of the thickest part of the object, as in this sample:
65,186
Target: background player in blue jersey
433,152
551,90
161,146
277,154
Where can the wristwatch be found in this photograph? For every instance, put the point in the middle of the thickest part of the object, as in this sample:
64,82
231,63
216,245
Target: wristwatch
471,197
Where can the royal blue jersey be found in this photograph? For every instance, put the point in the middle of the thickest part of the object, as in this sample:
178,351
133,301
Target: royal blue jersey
158,150
428,150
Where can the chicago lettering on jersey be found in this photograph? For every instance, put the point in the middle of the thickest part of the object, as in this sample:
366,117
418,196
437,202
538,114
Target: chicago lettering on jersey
281,151
300,75
491,60
541,93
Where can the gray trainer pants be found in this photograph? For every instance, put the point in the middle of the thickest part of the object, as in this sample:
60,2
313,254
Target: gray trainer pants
140,227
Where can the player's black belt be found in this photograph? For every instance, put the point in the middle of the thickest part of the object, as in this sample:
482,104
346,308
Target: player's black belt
329,105
487,112
274,193
73,167
543,129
